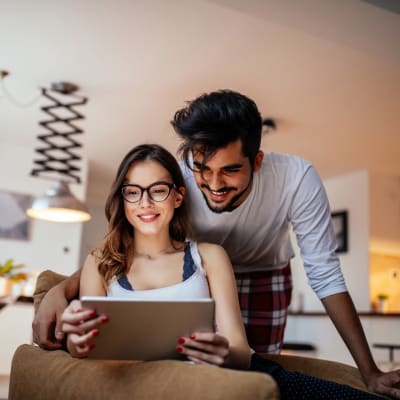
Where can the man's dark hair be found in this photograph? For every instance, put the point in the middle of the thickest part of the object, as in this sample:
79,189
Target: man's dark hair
214,120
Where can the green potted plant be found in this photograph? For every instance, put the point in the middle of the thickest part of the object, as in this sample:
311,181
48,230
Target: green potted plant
10,273
382,299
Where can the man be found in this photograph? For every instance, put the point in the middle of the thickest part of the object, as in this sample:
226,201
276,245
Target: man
246,201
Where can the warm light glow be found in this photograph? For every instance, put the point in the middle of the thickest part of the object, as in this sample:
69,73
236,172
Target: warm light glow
59,205
58,214
385,280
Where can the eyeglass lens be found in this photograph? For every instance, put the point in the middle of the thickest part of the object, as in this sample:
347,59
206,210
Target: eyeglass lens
156,192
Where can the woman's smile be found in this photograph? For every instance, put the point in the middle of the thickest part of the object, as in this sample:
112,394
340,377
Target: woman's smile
148,217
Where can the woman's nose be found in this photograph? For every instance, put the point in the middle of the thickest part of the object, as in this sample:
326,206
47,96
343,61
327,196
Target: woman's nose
145,201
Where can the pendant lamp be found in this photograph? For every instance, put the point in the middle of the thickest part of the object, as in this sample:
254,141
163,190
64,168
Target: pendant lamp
58,204
59,157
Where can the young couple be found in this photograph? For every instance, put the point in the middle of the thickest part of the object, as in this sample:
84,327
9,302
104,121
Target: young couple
146,255
241,199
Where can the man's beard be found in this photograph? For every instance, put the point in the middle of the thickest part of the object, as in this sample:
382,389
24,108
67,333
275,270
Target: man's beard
231,205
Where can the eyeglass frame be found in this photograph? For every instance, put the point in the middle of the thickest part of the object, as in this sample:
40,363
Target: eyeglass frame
147,190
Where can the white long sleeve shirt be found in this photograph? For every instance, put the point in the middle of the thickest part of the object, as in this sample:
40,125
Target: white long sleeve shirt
286,190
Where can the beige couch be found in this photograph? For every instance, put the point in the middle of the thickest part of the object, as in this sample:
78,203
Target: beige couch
38,374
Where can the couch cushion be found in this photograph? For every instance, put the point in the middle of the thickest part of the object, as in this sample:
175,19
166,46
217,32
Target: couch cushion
38,374
45,281
323,369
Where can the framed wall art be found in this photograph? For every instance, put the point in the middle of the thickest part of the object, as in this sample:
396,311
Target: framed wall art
14,223
340,226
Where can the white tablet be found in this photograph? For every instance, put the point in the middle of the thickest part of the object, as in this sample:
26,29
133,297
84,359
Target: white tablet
147,329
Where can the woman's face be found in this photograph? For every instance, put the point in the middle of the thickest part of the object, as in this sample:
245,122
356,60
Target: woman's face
147,216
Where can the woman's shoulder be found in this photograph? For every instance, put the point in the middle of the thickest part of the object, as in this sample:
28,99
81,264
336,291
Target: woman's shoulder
97,253
210,250
214,258
94,257
209,246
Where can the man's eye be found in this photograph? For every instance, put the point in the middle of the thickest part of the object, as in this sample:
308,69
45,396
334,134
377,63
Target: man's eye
231,170
197,166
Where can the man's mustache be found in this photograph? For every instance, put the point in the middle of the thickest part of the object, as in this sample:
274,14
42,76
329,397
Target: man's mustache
224,189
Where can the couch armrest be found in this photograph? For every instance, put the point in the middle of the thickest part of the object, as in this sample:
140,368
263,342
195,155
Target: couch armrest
38,374
45,281
323,369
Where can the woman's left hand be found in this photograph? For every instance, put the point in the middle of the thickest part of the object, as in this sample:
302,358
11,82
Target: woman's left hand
204,348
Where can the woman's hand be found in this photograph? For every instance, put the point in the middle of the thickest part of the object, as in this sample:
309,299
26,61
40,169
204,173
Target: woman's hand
81,327
205,348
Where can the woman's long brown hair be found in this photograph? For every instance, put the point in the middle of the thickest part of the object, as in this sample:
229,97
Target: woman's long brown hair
116,254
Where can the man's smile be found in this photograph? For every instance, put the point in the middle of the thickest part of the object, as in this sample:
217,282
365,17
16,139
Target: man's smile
218,195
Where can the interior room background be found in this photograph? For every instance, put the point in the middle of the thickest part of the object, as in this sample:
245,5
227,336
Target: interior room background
327,72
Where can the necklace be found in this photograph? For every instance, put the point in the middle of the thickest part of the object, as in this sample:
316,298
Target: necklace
148,256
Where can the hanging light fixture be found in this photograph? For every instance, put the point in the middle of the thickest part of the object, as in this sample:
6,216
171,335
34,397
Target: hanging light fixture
58,156
59,205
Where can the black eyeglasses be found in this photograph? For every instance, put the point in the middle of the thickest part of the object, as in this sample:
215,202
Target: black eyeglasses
157,191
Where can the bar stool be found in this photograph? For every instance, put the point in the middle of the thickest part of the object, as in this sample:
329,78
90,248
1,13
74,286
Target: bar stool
391,347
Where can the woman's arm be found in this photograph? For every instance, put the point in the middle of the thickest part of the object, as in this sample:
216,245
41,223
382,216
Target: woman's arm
228,347
82,325
91,283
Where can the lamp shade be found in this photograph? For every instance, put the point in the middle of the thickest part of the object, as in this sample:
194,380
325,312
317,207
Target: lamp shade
59,205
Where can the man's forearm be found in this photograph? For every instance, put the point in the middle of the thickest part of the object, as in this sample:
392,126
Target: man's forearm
70,286
47,330
343,314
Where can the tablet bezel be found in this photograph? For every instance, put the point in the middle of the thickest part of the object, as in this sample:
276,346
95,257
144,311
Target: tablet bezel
142,329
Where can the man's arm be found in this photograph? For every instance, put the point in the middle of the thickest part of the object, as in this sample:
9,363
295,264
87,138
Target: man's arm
46,325
310,216
343,314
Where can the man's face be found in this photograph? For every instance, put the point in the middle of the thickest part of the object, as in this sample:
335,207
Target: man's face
226,178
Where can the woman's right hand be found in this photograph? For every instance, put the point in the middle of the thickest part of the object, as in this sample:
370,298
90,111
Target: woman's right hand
81,326
205,348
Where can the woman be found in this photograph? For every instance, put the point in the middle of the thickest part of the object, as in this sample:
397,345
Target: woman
144,250
142,256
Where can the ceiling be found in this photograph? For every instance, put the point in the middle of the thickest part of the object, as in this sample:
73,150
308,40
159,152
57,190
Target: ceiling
327,71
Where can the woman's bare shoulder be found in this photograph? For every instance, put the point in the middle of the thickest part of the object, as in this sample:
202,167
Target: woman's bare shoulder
212,253
205,247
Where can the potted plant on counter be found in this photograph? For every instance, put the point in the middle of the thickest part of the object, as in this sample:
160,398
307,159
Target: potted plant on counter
10,274
382,302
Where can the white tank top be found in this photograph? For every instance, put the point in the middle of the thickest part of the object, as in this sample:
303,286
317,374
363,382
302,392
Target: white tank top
195,287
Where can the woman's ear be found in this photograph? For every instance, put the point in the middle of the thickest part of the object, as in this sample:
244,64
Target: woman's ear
179,196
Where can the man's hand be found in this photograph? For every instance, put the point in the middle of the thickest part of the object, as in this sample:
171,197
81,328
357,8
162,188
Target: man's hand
46,325
386,383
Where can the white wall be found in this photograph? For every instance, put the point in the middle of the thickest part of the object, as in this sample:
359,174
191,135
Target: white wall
93,230
347,192
385,213
51,245
320,331
356,193
47,245
16,329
